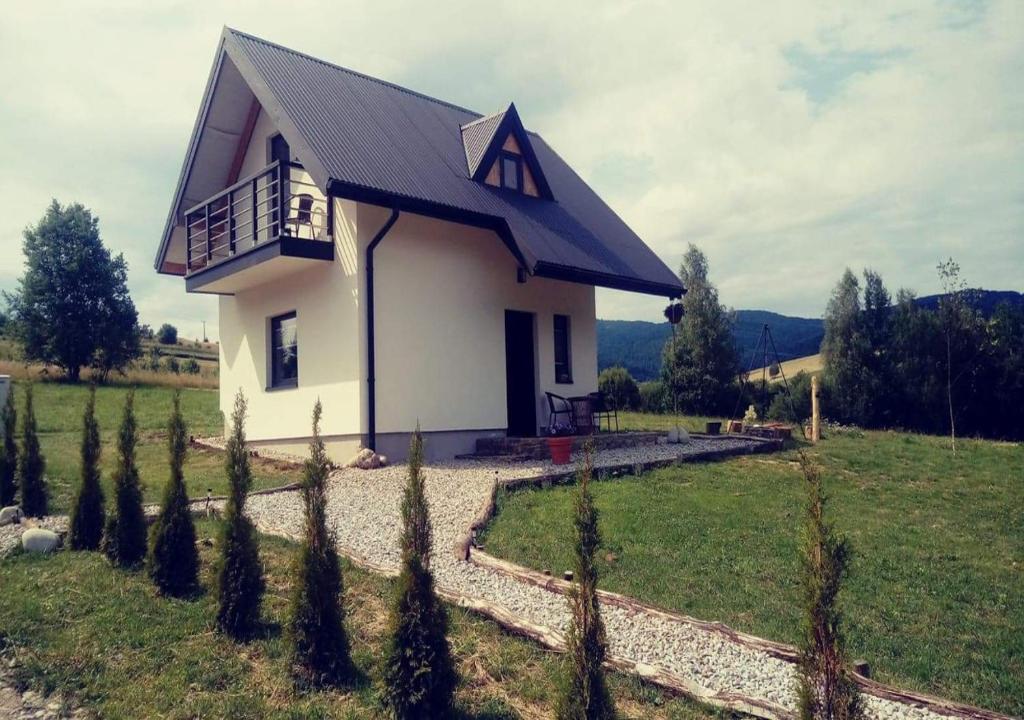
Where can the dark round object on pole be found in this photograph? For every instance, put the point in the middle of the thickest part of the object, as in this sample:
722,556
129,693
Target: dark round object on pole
674,313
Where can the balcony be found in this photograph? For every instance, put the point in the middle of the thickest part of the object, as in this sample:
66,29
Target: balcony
269,224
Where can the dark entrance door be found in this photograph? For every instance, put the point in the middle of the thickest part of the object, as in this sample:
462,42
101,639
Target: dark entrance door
519,374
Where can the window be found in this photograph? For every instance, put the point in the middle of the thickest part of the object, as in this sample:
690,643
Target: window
563,357
511,171
284,352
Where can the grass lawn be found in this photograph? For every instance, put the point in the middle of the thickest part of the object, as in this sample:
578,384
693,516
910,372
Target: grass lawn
935,598
59,408
103,635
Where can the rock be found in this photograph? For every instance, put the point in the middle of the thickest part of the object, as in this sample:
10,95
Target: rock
366,459
11,514
40,540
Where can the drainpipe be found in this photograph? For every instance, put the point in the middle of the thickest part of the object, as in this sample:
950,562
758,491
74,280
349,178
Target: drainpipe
371,374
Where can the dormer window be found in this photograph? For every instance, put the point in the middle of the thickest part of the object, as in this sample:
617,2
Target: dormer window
512,172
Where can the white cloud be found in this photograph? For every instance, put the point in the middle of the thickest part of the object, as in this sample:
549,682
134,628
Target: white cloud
788,140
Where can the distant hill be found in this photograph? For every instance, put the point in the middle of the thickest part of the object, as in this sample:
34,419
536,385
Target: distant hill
637,344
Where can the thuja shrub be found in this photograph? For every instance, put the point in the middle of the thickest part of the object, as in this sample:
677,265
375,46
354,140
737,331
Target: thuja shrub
585,694
320,646
124,539
826,690
85,530
8,452
239,574
419,675
173,562
31,465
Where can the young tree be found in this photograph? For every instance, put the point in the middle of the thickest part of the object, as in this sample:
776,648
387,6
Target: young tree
8,451
827,690
85,531
585,695
960,328
124,539
239,574
419,676
320,649
31,465
72,308
703,365
173,560
167,334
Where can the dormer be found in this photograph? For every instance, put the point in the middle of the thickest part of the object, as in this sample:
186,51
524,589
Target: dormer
499,154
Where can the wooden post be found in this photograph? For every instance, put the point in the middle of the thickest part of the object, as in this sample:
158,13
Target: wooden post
815,411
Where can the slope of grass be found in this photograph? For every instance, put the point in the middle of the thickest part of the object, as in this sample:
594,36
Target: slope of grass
103,635
808,364
934,601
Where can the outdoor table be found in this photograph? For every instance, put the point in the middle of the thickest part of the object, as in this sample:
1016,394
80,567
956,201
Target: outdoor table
582,414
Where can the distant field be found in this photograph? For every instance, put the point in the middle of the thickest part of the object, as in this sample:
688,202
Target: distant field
809,364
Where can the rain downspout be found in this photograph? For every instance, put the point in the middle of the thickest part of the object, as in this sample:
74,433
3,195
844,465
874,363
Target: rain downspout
371,374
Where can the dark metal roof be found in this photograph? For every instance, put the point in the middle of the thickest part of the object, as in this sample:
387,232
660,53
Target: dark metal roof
373,141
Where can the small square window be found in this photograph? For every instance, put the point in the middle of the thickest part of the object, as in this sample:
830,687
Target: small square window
511,172
563,353
284,351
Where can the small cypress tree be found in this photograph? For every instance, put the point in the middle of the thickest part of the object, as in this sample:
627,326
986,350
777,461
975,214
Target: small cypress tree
320,647
173,559
124,539
826,688
239,575
87,515
31,465
8,452
585,695
419,675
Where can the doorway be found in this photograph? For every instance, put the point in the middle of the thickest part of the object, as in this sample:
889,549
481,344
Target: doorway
520,376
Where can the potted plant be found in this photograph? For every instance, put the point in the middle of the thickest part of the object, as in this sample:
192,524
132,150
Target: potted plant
560,443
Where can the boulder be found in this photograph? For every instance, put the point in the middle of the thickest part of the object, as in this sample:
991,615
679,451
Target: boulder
11,514
367,459
39,540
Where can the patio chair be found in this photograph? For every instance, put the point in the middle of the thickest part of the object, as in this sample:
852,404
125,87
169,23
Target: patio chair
603,410
303,216
558,406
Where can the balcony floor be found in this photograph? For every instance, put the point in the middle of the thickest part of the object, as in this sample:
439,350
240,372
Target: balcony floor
266,262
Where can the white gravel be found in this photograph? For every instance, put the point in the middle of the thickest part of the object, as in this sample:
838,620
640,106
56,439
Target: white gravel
364,508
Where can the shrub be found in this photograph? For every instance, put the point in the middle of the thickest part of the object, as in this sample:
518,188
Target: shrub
171,365
620,388
153,361
585,695
124,539
653,397
167,334
31,465
8,451
85,531
826,689
320,648
190,367
419,676
173,559
239,574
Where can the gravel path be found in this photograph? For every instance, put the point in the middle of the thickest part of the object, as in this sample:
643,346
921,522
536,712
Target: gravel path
364,509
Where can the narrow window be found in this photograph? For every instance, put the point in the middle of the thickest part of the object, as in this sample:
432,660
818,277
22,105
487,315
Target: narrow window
563,357
284,349
511,171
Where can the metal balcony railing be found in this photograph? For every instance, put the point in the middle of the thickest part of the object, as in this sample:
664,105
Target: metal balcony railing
281,199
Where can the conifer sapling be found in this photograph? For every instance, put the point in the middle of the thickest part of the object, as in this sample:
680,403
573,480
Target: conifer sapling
320,647
239,574
826,690
419,675
85,531
173,559
585,695
31,465
8,452
124,539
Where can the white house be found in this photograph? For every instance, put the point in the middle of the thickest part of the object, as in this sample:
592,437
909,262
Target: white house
401,258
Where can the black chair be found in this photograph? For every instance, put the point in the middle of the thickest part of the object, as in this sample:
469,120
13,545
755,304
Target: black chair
603,409
303,216
558,406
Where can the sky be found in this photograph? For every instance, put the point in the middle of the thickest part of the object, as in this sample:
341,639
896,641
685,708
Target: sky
787,140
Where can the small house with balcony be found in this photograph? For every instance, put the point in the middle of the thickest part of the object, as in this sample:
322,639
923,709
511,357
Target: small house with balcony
401,258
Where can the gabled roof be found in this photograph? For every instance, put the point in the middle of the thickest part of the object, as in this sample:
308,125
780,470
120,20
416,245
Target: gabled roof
372,141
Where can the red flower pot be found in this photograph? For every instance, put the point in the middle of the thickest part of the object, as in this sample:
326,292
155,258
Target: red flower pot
561,449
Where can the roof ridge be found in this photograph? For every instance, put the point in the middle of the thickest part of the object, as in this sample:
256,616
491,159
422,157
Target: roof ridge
350,71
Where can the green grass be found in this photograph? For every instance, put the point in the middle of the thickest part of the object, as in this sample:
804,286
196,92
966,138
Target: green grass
935,597
59,408
103,635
